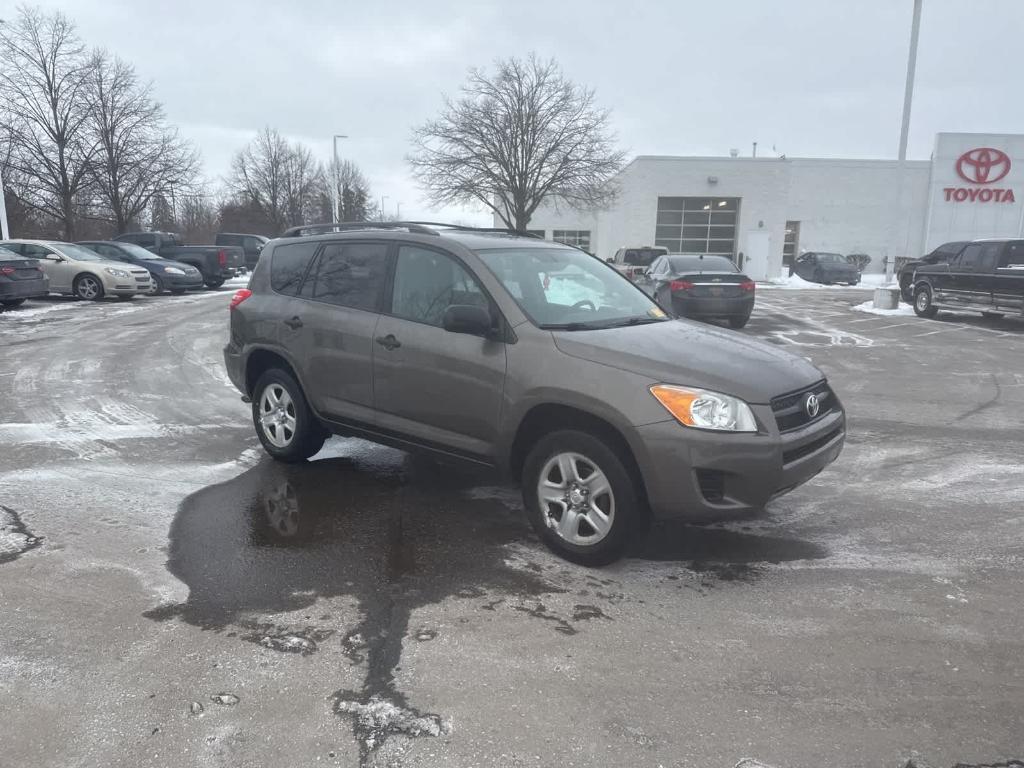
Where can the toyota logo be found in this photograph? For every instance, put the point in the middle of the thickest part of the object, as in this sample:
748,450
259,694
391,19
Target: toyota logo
812,405
983,165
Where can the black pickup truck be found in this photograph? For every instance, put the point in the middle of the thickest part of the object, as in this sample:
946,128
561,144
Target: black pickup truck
940,255
216,263
251,244
987,276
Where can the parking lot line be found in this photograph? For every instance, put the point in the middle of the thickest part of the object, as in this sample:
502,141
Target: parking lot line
944,330
893,325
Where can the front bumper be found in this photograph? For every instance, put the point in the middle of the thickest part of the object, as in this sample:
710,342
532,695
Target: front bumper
182,282
735,306
698,475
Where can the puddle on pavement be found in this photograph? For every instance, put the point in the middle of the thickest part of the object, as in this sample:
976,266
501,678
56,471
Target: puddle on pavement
15,538
394,532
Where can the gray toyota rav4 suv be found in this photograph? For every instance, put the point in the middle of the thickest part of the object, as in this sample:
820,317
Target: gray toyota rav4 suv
528,356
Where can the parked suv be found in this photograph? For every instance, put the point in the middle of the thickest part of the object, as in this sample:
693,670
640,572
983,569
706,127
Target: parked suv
986,276
531,357
79,272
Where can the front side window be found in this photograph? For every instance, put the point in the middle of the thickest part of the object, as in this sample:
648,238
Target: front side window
1013,256
969,257
287,266
566,289
428,282
349,275
988,257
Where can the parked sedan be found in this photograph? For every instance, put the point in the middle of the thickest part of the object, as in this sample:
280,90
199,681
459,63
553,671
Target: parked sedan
827,268
167,275
79,272
20,279
702,287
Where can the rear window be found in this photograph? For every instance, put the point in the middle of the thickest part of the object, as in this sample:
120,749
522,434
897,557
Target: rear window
707,264
641,257
287,266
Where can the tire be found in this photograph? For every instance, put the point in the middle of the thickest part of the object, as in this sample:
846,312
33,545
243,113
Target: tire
617,499
88,287
215,282
923,302
304,438
158,285
12,303
906,290
738,322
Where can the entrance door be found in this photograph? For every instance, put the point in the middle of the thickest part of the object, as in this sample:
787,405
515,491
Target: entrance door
755,260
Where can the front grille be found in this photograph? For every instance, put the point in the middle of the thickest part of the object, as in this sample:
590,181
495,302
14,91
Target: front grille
788,457
142,279
791,412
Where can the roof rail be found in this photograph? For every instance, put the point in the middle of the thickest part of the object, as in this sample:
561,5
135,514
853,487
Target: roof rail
466,228
343,226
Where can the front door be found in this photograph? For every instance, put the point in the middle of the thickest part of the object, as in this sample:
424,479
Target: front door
955,285
759,247
60,271
331,325
439,387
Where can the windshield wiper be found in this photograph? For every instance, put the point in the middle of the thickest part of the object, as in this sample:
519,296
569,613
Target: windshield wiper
571,326
638,320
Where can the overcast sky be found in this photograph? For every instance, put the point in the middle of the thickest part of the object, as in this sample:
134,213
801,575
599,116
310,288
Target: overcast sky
814,78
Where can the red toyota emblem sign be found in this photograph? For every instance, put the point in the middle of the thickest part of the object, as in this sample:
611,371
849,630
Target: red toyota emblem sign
983,165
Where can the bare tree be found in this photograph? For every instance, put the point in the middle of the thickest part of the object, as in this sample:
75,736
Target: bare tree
139,155
516,138
353,194
280,179
44,87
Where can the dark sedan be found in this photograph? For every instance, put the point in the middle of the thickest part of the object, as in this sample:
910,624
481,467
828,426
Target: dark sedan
826,268
167,275
20,279
701,287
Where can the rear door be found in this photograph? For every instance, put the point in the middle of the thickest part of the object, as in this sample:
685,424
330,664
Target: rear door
332,327
441,388
1008,279
978,286
60,271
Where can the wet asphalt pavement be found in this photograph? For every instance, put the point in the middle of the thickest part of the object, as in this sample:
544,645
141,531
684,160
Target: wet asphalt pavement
172,597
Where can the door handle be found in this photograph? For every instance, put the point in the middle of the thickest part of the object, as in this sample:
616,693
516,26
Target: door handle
294,323
389,342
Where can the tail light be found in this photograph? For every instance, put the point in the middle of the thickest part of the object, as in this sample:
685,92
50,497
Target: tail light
6,270
681,285
747,285
222,257
240,296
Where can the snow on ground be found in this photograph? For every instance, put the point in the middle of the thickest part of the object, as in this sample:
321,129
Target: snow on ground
795,282
903,310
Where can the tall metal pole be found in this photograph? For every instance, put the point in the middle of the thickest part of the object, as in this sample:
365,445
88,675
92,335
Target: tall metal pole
335,178
4,232
398,210
908,94
382,199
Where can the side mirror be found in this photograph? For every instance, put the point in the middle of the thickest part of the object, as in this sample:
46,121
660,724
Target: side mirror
469,319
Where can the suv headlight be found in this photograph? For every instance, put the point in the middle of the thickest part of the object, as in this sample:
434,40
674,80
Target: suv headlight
703,409
117,272
173,271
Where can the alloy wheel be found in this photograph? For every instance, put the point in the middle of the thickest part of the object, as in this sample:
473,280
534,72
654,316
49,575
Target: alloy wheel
88,287
277,415
576,499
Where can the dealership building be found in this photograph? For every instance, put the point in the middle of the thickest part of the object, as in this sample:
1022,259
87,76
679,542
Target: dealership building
765,211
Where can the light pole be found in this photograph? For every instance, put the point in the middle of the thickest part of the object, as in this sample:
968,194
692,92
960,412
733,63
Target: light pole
382,199
335,179
398,210
908,93
4,232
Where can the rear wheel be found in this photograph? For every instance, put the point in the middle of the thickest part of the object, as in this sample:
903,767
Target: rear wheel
923,306
906,289
88,287
215,282
580,498
11,303
284,422
739,322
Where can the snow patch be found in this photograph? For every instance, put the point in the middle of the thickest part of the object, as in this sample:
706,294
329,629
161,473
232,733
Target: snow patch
379,718
903,310
796,283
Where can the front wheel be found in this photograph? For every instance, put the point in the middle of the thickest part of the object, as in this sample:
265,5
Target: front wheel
88,287
738,322
284,422
579,497
215,282
156,286
12,303
923,306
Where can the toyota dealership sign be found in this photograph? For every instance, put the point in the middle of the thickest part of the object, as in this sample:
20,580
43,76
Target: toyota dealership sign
980,167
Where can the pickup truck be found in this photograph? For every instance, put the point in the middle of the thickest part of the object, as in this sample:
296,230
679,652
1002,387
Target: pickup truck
251,244
942,254
634,262
987,276
216,263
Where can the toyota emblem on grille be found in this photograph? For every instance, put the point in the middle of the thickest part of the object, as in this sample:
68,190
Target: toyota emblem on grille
812,405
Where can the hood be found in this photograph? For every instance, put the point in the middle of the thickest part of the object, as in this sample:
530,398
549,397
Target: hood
104,264
689,353
164,263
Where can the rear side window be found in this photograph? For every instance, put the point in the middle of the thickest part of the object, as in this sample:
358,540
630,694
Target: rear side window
146,241
349,275
287,266
988,258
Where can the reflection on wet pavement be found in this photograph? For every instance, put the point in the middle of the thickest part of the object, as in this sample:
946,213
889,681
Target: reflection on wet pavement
394,532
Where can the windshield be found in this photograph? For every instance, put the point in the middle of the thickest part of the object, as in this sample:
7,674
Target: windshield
76,252
830,258
138,251
562,288
697,264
